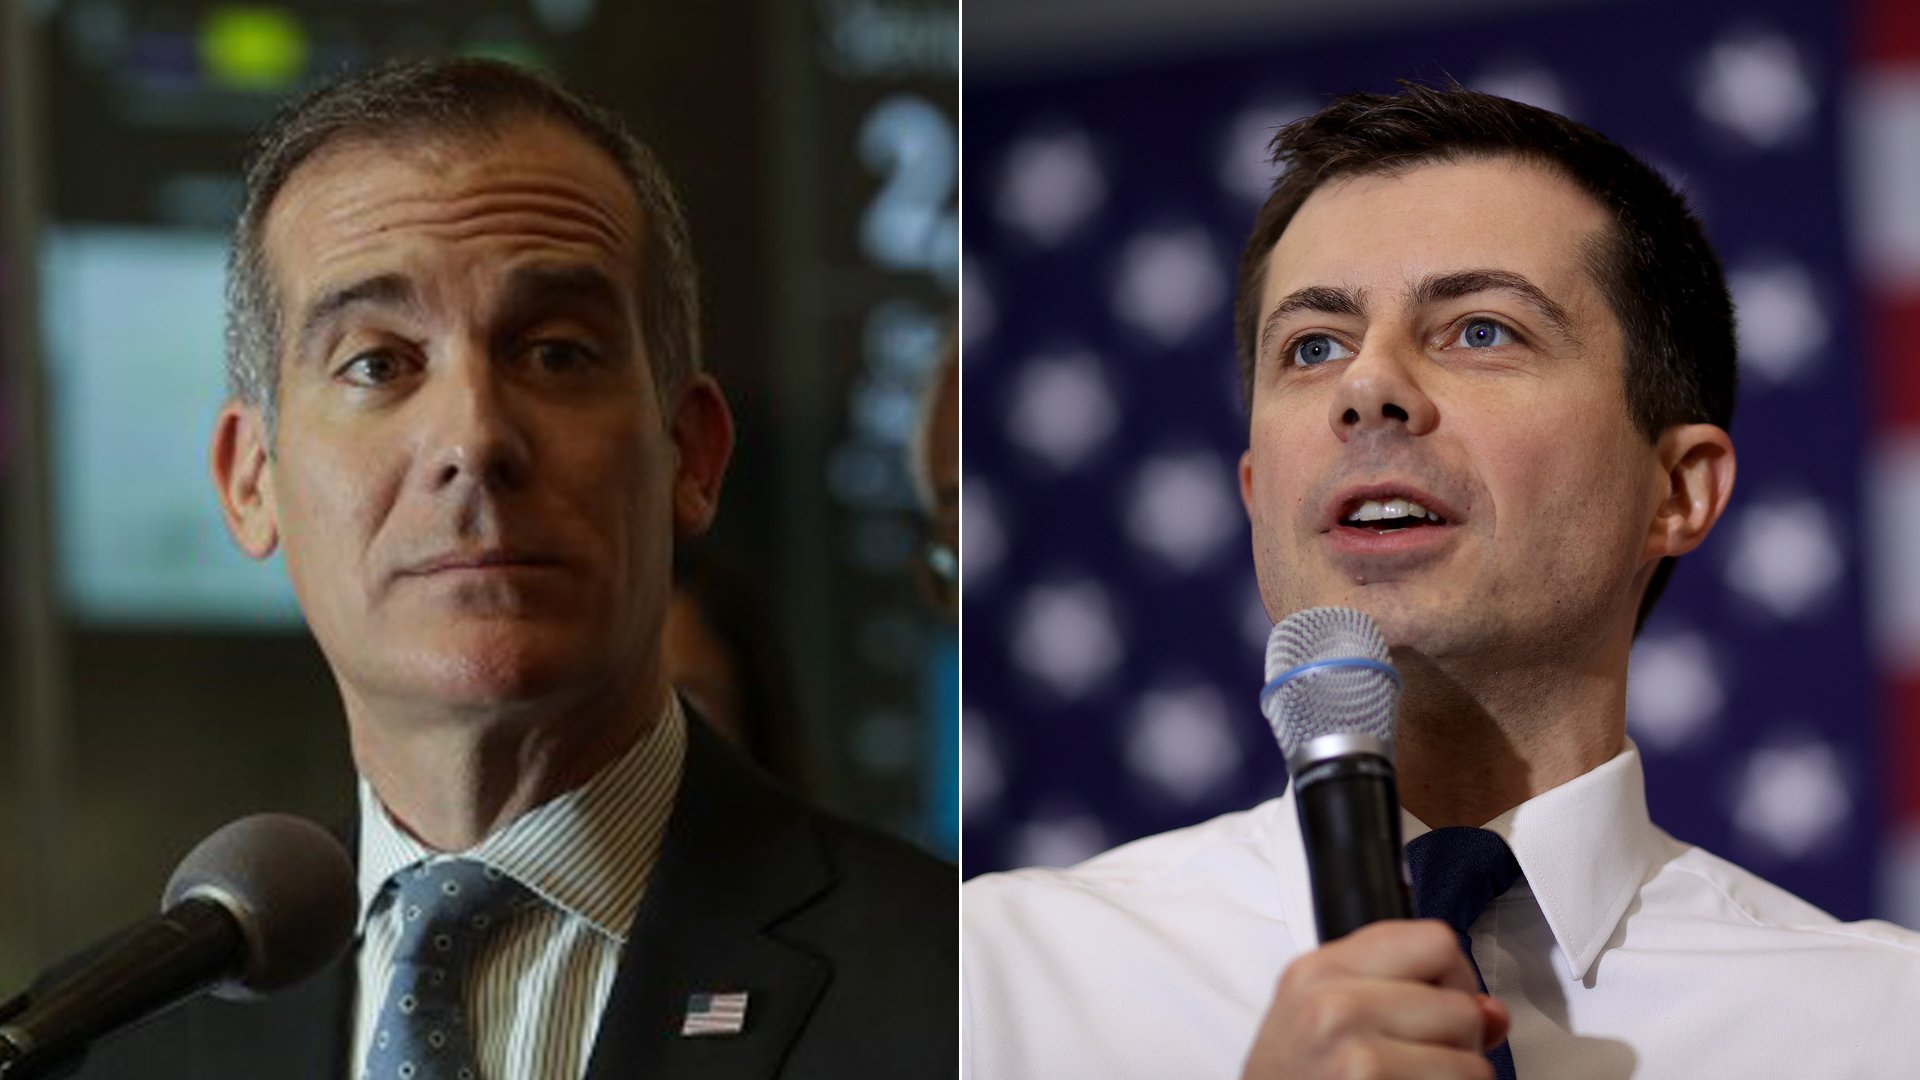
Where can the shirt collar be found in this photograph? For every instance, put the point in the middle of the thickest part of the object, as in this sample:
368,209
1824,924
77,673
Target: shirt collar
1295,887
589,851
1584,847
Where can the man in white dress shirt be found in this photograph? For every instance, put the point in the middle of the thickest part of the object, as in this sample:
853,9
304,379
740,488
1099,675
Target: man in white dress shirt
1489,361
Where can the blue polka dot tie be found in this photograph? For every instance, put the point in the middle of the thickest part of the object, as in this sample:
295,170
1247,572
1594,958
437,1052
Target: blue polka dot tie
448,910
1456,872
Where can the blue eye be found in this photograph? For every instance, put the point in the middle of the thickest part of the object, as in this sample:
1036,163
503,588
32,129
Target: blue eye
1484,334
1316,349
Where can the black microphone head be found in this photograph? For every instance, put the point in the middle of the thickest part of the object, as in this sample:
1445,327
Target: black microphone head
1360,698
290,886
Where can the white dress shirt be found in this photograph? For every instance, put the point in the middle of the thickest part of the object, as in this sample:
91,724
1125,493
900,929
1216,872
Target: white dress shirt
1621,952
537,990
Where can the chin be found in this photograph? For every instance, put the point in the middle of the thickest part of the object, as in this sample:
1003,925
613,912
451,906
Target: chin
1439,633
1406,620
504,670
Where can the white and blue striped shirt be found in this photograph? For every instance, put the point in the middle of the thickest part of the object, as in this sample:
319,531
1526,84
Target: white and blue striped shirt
537,991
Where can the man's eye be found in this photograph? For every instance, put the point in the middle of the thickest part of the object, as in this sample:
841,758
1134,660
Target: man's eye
375,368
562,357
1316,349
1484,334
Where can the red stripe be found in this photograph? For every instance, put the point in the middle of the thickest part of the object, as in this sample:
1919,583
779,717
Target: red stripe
1895,349
1902,740
1889,31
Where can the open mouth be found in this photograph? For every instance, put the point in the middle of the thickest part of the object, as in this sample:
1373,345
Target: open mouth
1390,515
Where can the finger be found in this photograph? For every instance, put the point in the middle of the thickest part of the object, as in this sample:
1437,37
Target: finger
1496,1021
1388,1058
1424,950
1366,1009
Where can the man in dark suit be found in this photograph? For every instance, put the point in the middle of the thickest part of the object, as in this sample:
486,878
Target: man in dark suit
467,406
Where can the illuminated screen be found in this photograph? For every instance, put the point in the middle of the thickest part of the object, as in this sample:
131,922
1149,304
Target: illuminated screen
133,323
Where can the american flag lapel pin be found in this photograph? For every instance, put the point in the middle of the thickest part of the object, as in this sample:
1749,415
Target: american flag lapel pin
715,1014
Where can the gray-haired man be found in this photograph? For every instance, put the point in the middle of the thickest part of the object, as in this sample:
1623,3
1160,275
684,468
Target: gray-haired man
467,406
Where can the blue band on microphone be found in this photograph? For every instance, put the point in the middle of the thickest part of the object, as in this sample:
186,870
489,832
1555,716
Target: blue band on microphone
1274,684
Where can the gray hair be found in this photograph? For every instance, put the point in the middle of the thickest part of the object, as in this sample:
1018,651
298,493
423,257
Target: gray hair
448,100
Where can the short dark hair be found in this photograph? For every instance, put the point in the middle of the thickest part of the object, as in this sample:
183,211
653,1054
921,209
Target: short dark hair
449,100
1655,267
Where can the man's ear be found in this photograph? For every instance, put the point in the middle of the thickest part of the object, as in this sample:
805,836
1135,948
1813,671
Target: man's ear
702,431
1697,467
244,476
1246,482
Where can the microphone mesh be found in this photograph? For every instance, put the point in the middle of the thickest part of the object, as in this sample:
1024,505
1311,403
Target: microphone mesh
290,885
1331,700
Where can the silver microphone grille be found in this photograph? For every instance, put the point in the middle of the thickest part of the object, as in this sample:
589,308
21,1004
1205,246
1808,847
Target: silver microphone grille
290,886
1362,697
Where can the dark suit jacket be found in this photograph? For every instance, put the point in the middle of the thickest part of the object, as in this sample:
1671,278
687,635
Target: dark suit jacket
845,940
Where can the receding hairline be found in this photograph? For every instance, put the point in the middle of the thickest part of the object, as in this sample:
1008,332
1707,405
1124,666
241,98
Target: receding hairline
1517,162
430,142
427,142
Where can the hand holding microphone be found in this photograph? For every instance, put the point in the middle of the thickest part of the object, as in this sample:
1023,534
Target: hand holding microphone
1392,999
1384,995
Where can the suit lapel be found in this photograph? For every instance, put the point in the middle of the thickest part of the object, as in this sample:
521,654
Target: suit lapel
740,856
302,1031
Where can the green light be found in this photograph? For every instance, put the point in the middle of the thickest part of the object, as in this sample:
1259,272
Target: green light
253,48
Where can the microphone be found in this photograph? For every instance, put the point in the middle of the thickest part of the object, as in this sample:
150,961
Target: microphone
258,906
1332,698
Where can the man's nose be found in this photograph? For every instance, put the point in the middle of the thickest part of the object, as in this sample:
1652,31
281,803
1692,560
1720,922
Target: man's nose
1380,388
477,436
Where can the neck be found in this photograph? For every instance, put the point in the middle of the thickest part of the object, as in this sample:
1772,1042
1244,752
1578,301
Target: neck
452,776
1470,749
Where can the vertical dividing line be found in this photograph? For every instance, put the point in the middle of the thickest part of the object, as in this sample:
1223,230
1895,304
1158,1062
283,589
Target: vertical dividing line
38,755
806,405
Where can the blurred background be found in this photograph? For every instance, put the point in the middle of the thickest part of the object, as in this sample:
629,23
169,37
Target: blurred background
157,683
1113,165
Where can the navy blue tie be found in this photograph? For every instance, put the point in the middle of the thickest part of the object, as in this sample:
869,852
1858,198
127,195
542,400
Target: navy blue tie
1456,872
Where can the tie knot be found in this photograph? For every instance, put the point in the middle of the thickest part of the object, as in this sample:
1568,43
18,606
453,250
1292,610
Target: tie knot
1457,871
449,907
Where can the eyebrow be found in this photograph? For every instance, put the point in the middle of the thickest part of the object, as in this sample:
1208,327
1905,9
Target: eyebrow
1467,282
380,290
1340,300
1321,299
529,290
532,289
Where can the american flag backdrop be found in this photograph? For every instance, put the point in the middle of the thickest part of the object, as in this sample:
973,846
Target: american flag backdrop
1884,163
1112,628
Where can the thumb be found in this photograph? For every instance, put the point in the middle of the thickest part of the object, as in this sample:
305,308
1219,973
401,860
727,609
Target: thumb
1495,1020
